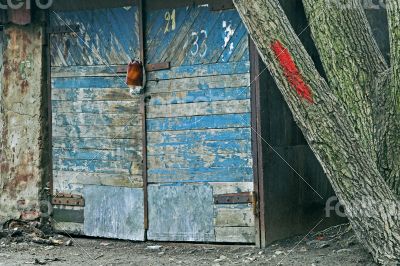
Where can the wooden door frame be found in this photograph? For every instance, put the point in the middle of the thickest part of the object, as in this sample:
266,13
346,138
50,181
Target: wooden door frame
257,144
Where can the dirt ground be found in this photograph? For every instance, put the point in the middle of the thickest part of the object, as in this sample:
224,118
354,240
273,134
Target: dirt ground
335,246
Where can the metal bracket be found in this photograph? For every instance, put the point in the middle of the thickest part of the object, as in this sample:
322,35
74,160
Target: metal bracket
158,66
235,198
68,200
73,28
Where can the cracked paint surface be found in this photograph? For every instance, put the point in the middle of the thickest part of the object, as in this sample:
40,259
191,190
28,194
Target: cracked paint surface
20,123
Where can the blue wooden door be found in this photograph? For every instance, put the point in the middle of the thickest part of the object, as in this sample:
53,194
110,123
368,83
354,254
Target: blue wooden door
97,125
198,125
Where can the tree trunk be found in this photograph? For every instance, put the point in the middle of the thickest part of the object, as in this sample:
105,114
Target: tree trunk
329,127
392,136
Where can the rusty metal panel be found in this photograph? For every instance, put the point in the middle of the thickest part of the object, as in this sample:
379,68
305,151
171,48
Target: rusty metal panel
114,212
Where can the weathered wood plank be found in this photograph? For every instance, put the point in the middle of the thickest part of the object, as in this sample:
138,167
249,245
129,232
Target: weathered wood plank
114,212
232,45
89,119
235,234
196,160
199,122
89,82
113,26
204,70
98,166
161,40
231,216
235,174
198,109
223,94
91,94
97,107
202,135
199,83
90,154
112,132
97,143
204,147
221,188
65,179
180,213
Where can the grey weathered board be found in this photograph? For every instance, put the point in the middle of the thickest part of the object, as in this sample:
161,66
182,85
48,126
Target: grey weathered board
97,135
198,124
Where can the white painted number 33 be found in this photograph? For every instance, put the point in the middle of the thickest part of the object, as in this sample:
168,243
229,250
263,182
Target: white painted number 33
197,48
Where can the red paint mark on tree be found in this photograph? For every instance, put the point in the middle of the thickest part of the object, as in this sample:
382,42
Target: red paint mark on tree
291,71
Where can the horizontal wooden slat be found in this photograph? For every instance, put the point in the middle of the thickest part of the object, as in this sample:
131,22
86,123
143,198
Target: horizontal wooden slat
197,109
86,154
97,143
117,132
193,136
195,160
65,178
96,107
88,119
204,147
235,174
90,94
235,234
241,216
202,83
89,82
223,94
98,166
203,70
232,187
199,122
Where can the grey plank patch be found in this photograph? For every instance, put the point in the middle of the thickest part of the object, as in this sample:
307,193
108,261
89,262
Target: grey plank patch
181,213
114,212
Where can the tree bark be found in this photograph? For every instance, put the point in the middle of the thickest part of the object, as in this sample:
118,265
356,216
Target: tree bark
371,206
392,130
356,71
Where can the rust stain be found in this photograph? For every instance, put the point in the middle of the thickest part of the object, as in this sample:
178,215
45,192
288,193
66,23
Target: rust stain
24,87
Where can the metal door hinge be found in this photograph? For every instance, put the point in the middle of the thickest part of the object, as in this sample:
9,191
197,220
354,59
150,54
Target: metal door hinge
234,198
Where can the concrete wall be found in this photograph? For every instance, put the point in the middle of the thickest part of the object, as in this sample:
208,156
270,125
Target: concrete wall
21,120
